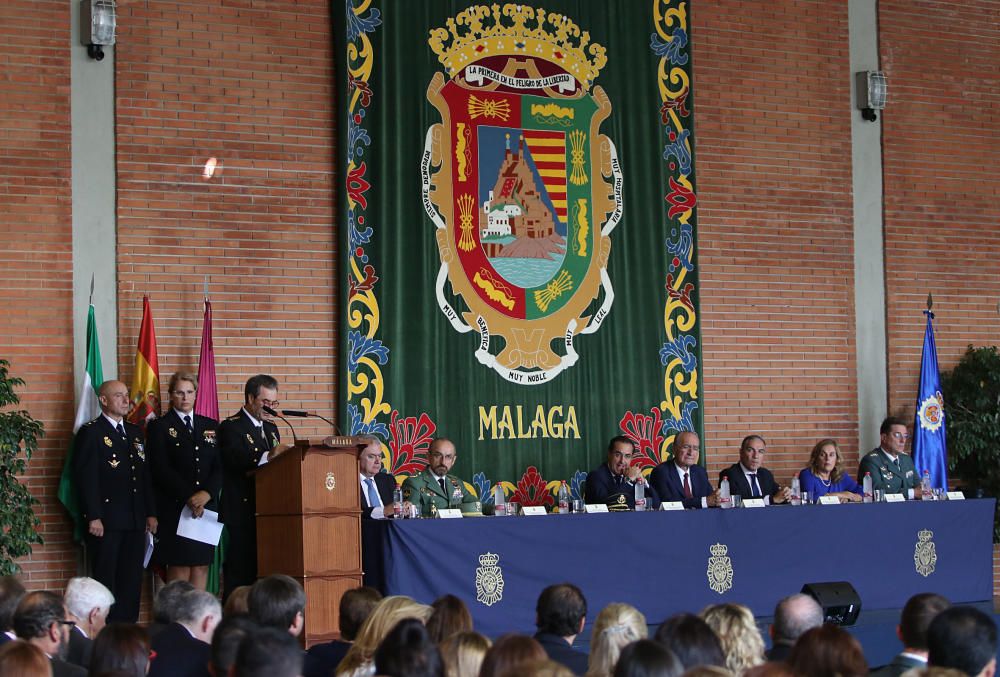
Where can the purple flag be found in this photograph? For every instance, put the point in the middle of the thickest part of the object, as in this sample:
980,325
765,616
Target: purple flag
207,401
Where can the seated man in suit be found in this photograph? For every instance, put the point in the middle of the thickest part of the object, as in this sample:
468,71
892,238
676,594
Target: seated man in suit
184,646
434,489
890,467
681,478
376,486
278,601
963,638
40,619
560,615
355,607
917,615
87,604
613,483
748,479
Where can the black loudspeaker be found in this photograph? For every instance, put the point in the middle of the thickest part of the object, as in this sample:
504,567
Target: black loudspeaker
840,601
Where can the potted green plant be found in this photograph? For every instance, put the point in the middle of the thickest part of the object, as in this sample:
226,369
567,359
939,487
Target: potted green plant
19,434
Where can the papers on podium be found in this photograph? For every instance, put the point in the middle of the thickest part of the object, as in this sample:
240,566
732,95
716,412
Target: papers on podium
205,529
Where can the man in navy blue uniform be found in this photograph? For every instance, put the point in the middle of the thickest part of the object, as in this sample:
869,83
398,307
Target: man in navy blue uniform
614,482
681,478
116,499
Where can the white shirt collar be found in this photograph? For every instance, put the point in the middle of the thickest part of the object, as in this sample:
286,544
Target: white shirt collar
257,423
889,455
113,422
748,472
681,472
181,415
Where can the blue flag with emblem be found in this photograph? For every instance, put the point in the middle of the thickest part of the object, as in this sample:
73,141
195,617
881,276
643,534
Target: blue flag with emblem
929,446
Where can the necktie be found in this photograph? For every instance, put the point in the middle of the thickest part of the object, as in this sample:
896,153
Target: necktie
263,436
441,482
373,501
121,430
187,422
754,486
687,487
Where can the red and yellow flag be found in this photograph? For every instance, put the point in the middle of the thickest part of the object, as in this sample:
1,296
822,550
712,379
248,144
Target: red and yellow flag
145,390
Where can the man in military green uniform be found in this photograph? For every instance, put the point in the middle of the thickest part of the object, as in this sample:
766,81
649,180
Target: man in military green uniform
892,470
434,489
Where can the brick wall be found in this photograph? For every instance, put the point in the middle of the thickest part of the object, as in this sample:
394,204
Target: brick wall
36,272
773,160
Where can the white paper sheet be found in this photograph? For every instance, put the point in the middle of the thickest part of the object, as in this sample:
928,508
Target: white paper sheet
149,550
205,529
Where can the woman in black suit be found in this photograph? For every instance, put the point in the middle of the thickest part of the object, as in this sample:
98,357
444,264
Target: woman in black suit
186,471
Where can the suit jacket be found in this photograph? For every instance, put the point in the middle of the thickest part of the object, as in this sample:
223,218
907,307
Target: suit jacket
900,664
183,463
322,659
423,490
561,652
668,485
384,484
112,476
884,474
80,648
738,484
178,654
603,487
241,448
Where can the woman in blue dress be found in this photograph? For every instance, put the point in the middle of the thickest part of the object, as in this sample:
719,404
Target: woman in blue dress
825,477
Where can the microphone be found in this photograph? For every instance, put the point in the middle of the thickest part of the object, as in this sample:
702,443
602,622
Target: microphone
271,412
301,413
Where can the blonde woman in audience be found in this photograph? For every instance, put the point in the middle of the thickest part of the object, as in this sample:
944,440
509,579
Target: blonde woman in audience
509,652
741,641
543,668
463,654
359,661
616,626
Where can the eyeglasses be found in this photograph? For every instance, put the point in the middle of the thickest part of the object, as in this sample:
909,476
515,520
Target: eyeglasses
274,404
69,623
900,436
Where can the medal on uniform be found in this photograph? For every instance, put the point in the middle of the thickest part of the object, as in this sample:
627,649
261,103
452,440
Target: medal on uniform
107,441
172,432
140,449
209,437
274,440
249,439
114,462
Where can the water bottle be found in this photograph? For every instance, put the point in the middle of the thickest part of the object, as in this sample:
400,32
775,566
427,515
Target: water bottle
725,498
397,502
499,501
563,499
926,492
796,497
640,494
866,488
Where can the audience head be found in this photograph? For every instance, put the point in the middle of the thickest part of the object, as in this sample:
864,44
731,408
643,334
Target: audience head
278,601
236,603
771,669
646,658
11,592
542,668
355,606
121,648
88,603
40,618
738,634
509,652
616,626
463,653
382,619
561,610
710,671
828,651
165,603
199,612
691,640
964,638
22,659
268,652
408,651
226,641
917,615
793,615
449,616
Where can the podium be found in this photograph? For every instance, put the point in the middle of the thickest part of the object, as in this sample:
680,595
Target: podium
309,526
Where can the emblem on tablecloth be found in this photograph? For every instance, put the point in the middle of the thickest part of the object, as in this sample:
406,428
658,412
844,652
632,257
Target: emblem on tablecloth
925,555
331,482
489,580
720,569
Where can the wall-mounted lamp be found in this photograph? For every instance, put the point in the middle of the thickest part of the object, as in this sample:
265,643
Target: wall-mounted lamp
872,89
97,26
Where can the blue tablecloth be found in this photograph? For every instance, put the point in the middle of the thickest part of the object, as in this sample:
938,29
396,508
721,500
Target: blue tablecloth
660,562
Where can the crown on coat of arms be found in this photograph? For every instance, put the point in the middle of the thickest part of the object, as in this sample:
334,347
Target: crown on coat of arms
485,30
489,559
924,535
718,550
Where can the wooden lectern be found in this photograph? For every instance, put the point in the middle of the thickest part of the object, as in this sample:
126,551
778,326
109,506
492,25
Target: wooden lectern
309,526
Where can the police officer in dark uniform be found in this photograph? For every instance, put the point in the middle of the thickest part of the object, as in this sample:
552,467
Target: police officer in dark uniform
184,459
245,442
116,498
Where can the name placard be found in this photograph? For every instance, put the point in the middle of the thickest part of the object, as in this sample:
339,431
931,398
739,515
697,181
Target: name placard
894,498
956,496
596,507
670,505
753,503
829,500
533,510
449,513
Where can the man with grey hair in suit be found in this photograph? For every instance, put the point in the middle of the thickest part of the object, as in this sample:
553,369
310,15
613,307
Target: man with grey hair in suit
88,602
792,617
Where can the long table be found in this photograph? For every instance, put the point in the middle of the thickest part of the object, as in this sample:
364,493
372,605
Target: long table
666,562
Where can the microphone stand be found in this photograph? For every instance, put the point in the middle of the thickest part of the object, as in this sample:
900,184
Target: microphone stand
271,412
309,414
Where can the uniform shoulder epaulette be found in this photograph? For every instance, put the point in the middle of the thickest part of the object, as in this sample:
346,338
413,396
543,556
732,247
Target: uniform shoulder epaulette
234,417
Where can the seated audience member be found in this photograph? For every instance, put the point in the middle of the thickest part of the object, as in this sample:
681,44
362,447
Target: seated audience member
278,601
793,615
741,642
21,659
355,606
268,652
236,603
749,479
121,649
449,616
691,640
164,611
560,614
828,651
508,653
87,604
931,671
825,475
963,638
11,592
184,646
681,478
771,669
40,619
226,642
709,671
616,626
407,651
646,658
613,483
543,668
918,612
463,654
383,618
